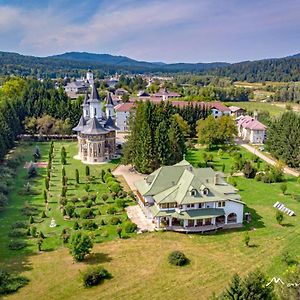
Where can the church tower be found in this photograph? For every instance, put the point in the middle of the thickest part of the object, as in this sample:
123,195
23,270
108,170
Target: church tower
90,77
109,106
95,104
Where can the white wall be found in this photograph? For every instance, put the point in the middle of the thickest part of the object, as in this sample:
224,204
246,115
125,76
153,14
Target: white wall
122,118
234,207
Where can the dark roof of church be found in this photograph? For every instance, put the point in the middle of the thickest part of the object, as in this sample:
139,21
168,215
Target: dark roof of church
110,123
93,126
80,124
109,99
94,94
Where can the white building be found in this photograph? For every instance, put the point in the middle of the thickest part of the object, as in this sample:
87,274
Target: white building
122,114
219,110
251,130
187,199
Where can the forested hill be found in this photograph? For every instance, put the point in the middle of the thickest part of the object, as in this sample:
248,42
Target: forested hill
280,69
76,63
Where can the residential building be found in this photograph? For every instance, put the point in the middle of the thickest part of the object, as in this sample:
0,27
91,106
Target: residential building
188,199
165,95
251,130
237,111
122,113
219,110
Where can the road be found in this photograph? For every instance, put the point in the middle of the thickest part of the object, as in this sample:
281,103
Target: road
267,159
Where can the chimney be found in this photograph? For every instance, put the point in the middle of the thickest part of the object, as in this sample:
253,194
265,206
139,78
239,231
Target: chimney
216,179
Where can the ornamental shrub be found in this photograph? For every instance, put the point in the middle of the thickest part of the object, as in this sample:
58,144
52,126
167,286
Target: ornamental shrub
89,225
10,283
94,276
130,227
87,213
115,221
177,258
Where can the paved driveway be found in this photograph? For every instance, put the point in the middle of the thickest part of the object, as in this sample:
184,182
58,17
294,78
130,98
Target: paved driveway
129,174
136,215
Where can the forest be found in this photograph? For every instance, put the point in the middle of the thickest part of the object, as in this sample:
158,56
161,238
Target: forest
21,99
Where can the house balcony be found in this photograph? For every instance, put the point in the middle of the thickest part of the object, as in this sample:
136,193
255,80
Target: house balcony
194,229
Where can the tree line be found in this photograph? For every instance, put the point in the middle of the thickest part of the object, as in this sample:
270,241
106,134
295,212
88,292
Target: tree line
157,135
283,139
20,98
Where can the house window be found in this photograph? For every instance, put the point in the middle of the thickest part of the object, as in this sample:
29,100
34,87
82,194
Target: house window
193,192
95,112
205,191
221,203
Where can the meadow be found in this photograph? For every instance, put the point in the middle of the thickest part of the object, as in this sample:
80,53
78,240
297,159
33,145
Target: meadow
139,264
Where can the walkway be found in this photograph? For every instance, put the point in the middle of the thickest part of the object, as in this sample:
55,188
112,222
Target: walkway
136,215
271,161
129,174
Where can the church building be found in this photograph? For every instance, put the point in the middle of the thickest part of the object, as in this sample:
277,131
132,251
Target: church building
96,130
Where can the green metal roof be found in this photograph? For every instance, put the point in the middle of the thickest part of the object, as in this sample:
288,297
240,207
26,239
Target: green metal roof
201,213
171,184
161,213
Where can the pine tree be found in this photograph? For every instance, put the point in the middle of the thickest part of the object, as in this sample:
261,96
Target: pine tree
162,145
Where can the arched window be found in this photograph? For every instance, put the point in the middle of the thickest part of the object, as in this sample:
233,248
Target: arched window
232,218
205,191
193,192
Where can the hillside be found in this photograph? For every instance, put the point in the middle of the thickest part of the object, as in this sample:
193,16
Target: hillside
76,63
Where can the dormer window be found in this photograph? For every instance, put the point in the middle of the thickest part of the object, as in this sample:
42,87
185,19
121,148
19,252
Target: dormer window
205,191
193,192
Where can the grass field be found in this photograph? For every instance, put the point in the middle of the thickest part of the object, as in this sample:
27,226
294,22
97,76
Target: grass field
139,265
272,108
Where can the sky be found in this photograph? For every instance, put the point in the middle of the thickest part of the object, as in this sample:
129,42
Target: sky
153,30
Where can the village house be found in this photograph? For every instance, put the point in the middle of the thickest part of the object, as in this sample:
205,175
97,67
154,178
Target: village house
251,130
188,199
237,111
165,95
219,110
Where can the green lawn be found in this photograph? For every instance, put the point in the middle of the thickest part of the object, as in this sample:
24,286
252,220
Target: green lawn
12,213
273,109
139,265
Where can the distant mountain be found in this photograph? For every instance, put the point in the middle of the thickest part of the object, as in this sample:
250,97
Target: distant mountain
108,59
76,63
294,56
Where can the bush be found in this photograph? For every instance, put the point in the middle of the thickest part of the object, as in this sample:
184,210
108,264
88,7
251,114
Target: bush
93,197
130,227
84,198
19,224
76,226
104,197
115,221
122,194
63,201
80,245
18,232
89,204
65,235
89,225
111,210
115,187
74,200
70,209
177,258
279,217
17,245
10,283
121,203
87,213
94,276
107,176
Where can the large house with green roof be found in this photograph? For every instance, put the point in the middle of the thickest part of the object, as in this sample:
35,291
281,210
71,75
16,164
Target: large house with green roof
188,199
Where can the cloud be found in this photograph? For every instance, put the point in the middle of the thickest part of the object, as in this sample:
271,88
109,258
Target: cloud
170,30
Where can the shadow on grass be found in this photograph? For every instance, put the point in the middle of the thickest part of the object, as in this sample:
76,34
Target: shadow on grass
287,225
98,258
253,246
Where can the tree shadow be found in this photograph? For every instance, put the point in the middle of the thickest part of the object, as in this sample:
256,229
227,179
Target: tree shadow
97,258
287,225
